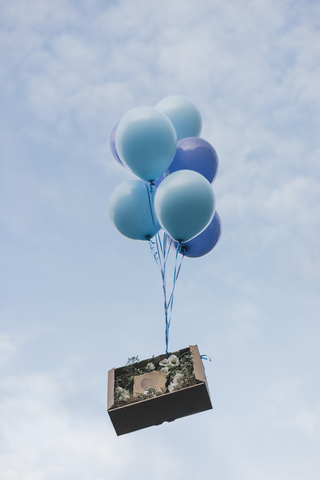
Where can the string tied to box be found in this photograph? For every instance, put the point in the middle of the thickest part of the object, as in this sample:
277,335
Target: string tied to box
205,357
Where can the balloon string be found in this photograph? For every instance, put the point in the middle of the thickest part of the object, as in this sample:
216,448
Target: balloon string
160,251
150,187
167,240
154,251
177,267
159,255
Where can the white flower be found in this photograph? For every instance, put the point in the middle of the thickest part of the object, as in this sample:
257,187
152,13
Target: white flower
150,366
174,385
173,360
124,396
177,377
165,370
164,362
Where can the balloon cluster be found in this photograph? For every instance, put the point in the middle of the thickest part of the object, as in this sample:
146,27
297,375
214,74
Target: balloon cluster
161,146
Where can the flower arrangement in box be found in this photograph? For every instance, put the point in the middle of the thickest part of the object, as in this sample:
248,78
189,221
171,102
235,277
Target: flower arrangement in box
178,372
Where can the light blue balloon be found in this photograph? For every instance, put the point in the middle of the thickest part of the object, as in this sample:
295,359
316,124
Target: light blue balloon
129,210
184,204
184,115
146,142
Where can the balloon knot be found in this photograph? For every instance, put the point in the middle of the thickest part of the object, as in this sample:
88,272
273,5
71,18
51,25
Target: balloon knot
151,185
181,248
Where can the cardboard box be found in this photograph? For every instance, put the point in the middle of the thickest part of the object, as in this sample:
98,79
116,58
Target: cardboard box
163,408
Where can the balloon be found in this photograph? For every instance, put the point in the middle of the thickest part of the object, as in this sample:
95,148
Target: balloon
194,153
204,242
146,142
112,145
184,204
129,210
184,115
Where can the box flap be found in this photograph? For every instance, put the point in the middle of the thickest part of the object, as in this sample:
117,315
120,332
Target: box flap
110,393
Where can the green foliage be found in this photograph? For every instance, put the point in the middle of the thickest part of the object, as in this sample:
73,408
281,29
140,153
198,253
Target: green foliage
132,360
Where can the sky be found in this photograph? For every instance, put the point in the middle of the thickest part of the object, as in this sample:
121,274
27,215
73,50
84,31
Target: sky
78,299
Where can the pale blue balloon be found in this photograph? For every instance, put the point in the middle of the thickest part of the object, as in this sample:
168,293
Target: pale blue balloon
184,204
184,115
146,142
129,210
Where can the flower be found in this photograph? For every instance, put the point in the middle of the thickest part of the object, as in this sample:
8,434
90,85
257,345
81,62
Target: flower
124,396
164,362
150,366
120,390
173,360
173,386
178,376
176,382
165,370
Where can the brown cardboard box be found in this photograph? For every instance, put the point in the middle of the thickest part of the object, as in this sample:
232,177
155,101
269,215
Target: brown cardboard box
163,408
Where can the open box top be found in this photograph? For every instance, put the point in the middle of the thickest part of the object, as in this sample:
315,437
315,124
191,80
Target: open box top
166,407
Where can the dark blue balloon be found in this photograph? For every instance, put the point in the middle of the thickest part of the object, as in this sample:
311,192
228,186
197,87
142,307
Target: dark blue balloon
112,145
194,153
204,242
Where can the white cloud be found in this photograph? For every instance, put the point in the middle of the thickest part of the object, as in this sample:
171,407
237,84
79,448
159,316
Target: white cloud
204,49
43,439
7,349
308,422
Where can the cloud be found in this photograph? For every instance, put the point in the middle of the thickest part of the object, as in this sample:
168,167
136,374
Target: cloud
307,422
146,51
7,349
43,439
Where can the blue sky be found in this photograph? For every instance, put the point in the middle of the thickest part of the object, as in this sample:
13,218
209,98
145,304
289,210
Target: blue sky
77,298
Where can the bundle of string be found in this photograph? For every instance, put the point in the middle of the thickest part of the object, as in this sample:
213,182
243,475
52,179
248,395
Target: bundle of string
160,250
